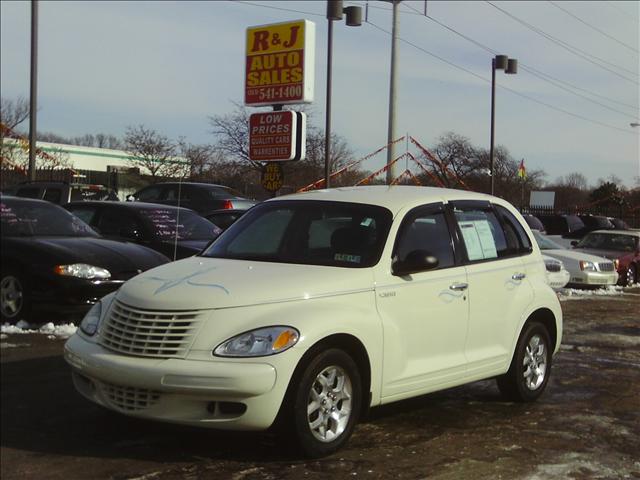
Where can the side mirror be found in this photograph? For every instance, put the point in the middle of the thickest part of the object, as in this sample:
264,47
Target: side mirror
574,243
416,261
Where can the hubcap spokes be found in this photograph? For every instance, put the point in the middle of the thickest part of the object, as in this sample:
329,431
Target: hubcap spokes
329,404
10,296
535,363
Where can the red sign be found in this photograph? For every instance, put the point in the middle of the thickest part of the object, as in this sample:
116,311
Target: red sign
279,63
272,136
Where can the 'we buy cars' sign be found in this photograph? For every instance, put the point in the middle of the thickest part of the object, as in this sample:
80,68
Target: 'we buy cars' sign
279,63
277,136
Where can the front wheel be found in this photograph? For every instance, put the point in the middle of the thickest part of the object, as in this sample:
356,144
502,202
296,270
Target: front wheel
327,403
14,297
530,367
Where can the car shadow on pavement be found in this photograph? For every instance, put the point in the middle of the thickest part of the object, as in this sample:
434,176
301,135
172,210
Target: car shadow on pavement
42,413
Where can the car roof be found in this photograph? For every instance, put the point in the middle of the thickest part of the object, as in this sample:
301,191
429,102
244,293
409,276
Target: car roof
394,197
28,200
128,205
198,184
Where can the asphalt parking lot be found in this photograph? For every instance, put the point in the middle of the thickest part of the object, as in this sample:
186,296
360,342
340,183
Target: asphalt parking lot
586,426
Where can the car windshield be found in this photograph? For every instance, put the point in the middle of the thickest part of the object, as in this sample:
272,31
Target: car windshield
609,241
28,218
307,232
171,223
222,193
546,243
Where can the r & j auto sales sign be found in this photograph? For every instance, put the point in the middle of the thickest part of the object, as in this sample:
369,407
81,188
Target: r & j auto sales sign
279,63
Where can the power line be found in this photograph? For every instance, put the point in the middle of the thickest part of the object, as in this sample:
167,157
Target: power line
592,27
537,73
570,48
276,8
535,100
622,12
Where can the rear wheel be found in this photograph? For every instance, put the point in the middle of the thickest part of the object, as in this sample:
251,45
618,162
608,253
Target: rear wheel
530,367
14,298
326,403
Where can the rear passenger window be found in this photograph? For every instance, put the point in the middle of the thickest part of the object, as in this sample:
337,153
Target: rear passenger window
482,235
53,195
29,192
149,194
513,228
426,231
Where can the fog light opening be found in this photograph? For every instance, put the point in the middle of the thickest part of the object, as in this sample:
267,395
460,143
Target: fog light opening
212,407
232,408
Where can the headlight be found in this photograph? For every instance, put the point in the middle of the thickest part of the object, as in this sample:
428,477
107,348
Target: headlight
258,343
616,264
587,266
82,270
91,320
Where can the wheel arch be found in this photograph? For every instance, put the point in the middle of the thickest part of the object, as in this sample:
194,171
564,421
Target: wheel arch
547,318
350,345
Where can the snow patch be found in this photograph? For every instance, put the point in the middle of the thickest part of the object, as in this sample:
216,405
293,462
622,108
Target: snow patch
577,294
52,331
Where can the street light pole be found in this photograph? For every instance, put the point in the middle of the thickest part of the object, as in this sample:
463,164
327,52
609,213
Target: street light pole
354,19
510,66
391,174
33,100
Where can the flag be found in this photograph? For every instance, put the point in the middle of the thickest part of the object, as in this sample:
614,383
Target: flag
522,171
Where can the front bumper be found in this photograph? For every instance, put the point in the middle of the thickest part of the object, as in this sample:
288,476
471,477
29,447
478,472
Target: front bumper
594,279
216,393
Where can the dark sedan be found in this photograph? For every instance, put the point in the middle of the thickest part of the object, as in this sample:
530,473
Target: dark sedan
621,246
54,263
175,232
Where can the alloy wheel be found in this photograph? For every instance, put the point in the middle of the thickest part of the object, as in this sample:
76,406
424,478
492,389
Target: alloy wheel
535,363
11,296
329,404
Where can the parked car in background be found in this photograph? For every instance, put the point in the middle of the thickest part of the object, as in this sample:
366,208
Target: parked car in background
560,224
204,198
314,307
595,222
224,218
584,269
621,246
618,223
557,275
172,231
53,263
61,192
533,222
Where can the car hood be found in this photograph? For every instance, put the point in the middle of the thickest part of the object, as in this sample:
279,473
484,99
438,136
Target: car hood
610,254
573,256
117,257
209,283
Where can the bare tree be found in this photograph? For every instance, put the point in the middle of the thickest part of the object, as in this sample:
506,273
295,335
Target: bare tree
153,152
13,112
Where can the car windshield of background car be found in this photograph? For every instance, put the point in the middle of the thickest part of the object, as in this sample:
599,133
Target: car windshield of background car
546,243
222,193
40,219
307,232
606,241
190,226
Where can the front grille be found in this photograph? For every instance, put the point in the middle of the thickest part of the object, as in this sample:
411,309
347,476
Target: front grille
129,399
149,333
606,267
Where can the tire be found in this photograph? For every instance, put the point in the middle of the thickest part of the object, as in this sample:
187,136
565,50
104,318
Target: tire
630,276
530,367
14,298
325,404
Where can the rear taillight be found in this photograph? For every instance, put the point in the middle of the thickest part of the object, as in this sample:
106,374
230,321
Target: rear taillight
227,205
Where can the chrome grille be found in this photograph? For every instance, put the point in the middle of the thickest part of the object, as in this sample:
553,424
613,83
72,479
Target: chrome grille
606,267
149,333
129,399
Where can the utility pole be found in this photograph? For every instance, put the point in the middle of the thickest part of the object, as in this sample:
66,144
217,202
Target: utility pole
391,174
34,90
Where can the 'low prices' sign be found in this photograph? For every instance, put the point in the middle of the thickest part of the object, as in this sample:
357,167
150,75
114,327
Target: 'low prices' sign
277,136
279,63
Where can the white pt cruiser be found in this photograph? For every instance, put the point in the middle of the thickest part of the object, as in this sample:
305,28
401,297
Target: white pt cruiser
314,307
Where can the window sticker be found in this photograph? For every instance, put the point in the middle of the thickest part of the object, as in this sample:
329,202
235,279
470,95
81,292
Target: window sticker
343,257
478,239
366,222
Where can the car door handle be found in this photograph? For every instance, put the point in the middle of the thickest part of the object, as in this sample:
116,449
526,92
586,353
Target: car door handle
518,276
458,286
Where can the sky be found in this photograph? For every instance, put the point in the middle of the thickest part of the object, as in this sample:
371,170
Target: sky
104,66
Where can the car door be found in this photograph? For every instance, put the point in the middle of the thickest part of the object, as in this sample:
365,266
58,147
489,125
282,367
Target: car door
424,315
499,291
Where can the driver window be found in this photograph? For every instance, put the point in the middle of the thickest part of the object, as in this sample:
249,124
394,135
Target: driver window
427,231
